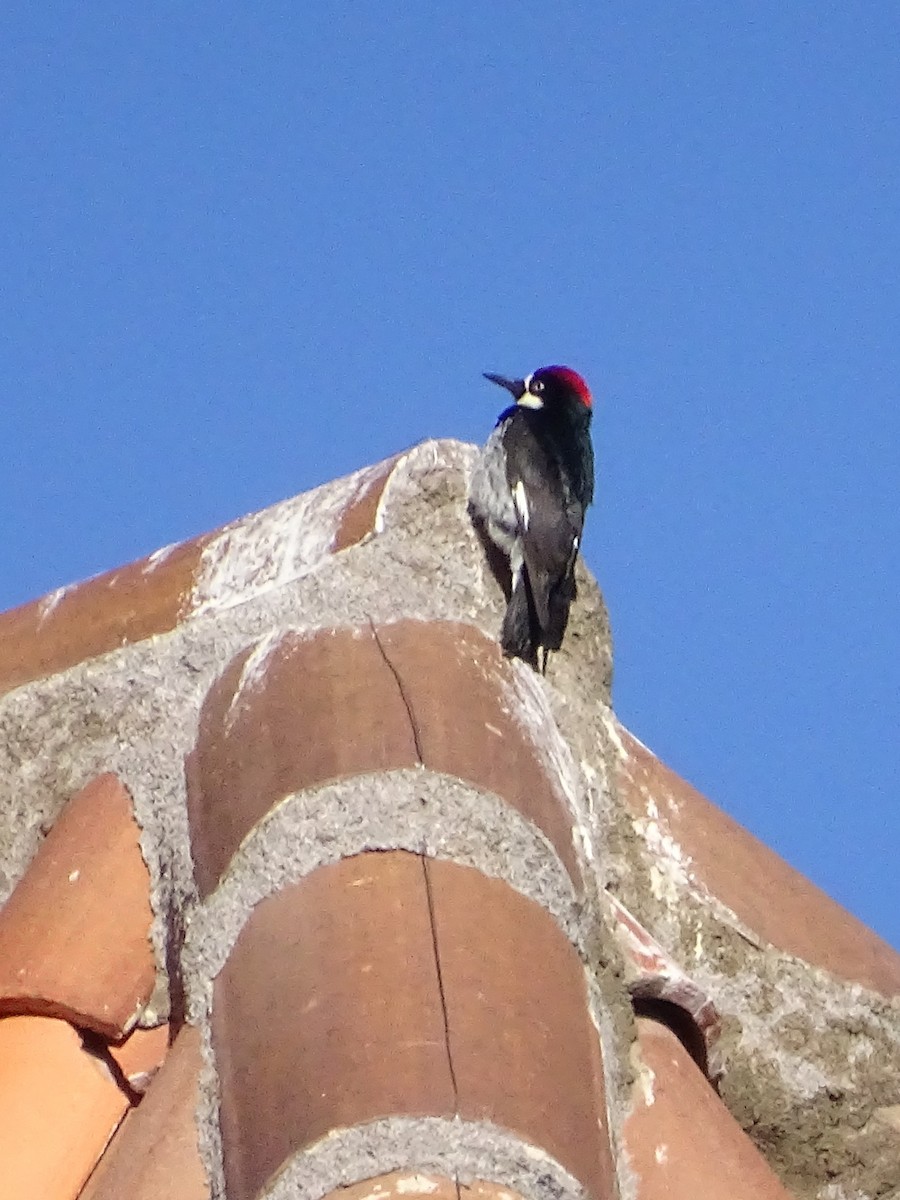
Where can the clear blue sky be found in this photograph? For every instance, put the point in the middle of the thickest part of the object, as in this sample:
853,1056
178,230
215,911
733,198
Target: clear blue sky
246,248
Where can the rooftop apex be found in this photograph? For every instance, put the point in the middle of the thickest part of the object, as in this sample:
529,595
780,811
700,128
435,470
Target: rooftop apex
307,886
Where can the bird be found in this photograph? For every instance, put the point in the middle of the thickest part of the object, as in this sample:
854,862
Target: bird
529,492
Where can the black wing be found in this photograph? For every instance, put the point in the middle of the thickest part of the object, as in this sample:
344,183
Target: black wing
551,519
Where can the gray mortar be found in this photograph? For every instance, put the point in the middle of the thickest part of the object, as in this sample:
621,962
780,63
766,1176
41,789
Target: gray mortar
613,1019
424,812
135,711
567,717
410,809
562,716
460,1150
808,1056
812,1058
804,1075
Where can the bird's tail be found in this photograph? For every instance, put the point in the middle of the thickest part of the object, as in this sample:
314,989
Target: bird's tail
533,623
559,601
520,634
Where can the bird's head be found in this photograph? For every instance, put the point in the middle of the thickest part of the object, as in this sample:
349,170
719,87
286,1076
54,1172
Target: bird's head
548,387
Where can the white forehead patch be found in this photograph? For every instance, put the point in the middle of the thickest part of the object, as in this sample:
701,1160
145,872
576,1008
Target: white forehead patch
528,399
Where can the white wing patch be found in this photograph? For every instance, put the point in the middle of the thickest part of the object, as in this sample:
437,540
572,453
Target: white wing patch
520,500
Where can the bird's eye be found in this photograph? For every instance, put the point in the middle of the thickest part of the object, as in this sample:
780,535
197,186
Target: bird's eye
537,386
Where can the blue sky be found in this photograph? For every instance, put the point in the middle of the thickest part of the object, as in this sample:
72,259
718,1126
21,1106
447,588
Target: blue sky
249,248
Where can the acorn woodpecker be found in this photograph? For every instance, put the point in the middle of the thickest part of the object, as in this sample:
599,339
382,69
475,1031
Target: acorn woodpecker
529,492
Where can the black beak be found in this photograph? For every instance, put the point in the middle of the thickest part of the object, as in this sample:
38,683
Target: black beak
516,386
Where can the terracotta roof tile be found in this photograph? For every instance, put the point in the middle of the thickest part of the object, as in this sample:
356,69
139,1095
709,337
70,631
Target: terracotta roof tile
74,935
389,985
328,1013
653,976
153,595
682,1142
59,1106
80,622
398,687
248,754
141,1055
468,715
386,1009
359,517
789,912
524,1051
155,1152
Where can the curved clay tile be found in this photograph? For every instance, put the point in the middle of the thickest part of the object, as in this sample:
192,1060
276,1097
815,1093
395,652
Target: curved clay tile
654,976
249,755
154,1154
59,1106
789,912
682,1142
87,619
75,933
387,985
154,595
358,518
302,711
386,1008
140,1056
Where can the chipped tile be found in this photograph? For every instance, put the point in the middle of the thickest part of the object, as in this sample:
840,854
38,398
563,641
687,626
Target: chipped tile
74,935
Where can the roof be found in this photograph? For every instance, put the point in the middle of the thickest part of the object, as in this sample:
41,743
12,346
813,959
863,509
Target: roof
307,888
